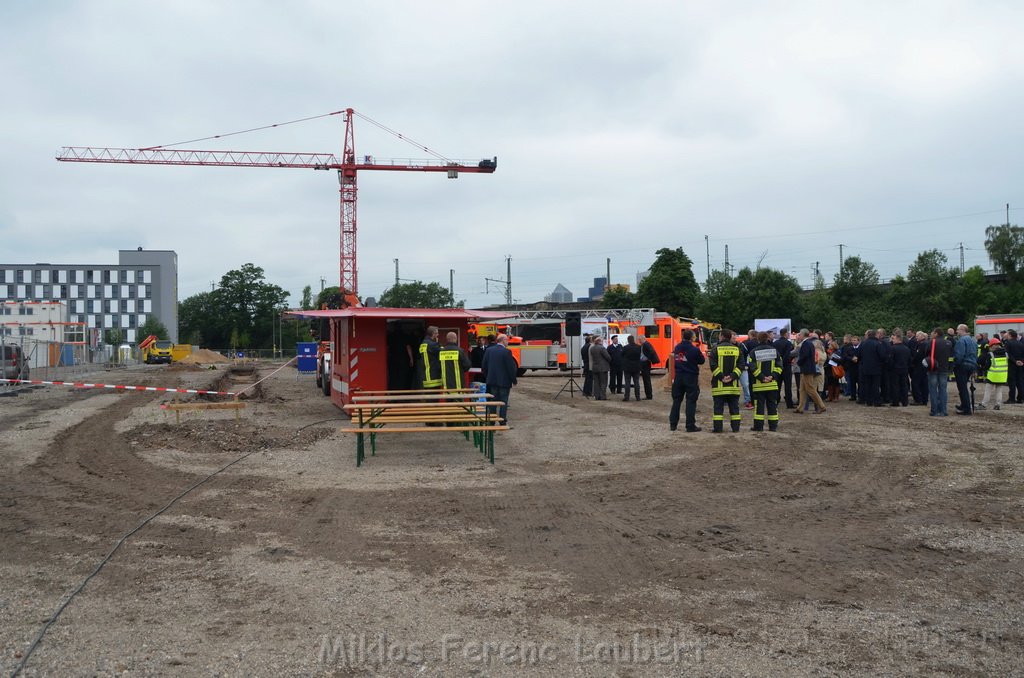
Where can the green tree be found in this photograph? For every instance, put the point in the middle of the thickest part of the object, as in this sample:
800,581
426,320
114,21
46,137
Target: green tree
153,326
418,294
855,282
244,305
1005,247
329,297
929,294
735,302
307,298
670,285
113,336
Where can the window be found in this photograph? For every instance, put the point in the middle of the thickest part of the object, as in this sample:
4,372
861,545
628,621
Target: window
62,277
108,321
90,291
74,291
125,291
124,321
25,331
6,309
147,306
130,336
141,321
79,306
129,306
9,276
79,277
108,291
26,310
147,277
140,291
44,276
4,291
129,276
123,305
55,291
39,293
21,292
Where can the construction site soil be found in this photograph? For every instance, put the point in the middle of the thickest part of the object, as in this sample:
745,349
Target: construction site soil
863,541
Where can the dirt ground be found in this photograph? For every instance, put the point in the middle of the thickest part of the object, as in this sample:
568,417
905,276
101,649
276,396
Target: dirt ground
872,542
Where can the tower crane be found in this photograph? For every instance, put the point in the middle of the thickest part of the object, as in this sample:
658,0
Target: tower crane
348,167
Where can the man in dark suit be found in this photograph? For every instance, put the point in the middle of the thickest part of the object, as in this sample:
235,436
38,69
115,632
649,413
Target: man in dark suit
648,359
499,370
785,347
871,361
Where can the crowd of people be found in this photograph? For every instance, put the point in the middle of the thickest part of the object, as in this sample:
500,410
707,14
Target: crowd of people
897,368
900,368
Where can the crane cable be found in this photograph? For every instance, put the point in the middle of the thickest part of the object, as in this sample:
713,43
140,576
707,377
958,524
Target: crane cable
403,137
382,126
244,131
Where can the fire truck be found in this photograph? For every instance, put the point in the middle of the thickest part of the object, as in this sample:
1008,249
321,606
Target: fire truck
538,342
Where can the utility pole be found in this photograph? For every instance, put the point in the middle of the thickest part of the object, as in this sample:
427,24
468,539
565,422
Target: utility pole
841,260
396,272
212,285
323,283
451,284
961,259
727,260
1007,215
608,273
707,251
507,282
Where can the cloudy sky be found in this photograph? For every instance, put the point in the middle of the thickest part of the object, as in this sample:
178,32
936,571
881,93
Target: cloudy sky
778,129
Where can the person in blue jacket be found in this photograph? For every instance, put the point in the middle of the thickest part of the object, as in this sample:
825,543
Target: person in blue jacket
499,370
688,360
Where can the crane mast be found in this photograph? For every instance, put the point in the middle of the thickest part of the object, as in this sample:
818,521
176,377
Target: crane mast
347,167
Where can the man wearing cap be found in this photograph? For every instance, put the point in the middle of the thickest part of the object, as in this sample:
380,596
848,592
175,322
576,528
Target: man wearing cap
995,364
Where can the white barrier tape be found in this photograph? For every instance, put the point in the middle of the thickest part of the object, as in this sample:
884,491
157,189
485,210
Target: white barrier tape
117,387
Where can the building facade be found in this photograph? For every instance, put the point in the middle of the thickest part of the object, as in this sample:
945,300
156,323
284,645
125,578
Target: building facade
143,284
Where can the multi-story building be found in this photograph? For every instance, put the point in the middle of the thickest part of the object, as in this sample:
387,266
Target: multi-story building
144,283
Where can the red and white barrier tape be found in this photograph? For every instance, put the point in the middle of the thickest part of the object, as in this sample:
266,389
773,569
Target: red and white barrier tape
117,387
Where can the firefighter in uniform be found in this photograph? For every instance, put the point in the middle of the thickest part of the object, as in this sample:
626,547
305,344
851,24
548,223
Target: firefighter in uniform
765,370
428,361
455,363
725,363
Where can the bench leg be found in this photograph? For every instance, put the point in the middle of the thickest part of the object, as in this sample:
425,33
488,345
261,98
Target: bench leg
490,444
359,450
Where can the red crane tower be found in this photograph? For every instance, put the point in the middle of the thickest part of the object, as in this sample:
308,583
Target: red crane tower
348,168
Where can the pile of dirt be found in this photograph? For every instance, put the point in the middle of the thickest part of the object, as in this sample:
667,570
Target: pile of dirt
202,356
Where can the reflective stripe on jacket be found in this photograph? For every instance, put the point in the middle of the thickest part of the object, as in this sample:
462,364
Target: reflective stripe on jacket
431,365
725,360
451,370
765,362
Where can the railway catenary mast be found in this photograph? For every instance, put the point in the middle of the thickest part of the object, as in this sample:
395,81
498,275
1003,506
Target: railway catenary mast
348,167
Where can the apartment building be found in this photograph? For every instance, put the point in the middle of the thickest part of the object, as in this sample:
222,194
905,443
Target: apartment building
144,283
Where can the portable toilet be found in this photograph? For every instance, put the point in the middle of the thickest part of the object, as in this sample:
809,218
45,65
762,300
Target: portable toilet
306,352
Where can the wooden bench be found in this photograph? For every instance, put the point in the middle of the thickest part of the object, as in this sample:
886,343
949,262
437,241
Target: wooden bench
464,411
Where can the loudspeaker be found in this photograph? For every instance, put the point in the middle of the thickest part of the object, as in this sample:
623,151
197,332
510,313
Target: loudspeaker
573,324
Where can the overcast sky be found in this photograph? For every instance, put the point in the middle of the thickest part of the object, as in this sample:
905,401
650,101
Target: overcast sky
778,129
